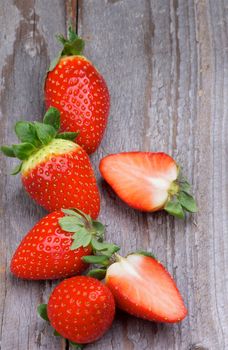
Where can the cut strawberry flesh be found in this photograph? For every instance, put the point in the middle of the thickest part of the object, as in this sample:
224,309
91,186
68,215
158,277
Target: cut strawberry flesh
141,179
142,287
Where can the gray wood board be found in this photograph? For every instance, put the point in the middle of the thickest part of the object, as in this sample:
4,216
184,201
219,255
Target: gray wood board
26,41
166,66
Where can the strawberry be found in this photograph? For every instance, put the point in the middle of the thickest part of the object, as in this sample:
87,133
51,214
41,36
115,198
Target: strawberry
56,172
81,309
148,182
54,247
77,89
142,287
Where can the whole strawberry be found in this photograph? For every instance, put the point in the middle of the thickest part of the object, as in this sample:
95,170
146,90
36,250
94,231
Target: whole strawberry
55,246
148,181
81,309
55,171
78,90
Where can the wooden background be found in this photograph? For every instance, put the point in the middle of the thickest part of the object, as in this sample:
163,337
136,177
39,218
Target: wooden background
166,64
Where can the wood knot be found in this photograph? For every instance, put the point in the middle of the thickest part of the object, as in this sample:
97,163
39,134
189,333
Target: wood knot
197,347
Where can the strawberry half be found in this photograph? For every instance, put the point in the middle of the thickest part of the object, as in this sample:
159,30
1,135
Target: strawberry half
148,181
77,89
81,309
56,172
142,287
55,246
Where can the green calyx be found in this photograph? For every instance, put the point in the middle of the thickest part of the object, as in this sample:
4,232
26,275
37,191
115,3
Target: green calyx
180,199
35,135
87,232
42,311
72,45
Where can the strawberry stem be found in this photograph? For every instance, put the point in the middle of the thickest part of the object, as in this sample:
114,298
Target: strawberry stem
72,45
174,188
118,258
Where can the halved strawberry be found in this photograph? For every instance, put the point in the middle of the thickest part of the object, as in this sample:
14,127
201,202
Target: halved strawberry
56,172
78,90
142,287
148,181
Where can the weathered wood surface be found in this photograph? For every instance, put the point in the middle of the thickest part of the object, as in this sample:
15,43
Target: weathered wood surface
166,63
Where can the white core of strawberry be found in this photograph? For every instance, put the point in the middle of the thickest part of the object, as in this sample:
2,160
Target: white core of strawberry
160,186
125,266
160,190
122,267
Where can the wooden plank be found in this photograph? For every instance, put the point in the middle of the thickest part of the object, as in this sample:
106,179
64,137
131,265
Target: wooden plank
26,41
166,66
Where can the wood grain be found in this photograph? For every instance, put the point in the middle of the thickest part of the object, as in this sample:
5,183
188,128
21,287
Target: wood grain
26,41
166,64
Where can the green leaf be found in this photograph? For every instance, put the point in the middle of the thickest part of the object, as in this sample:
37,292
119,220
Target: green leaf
71,223
97,273
42,311
45,132
78,45
188,202
23,150
83,215
99,227
82,232
75,345
61,39
96,259
99,245
71,34
71,136
174,208
111,250
56,334
185,187
52,117
8,151
74,47
17,169
82,238
26,132
143,252
107,249
70,212
76,212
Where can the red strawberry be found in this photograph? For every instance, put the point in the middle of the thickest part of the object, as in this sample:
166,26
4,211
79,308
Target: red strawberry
45,253
80,309
148,181
56,172
55,246
142,287
78,90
